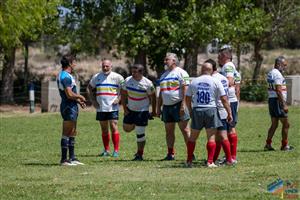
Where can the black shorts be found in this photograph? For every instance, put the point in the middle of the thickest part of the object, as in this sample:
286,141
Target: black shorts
275,109
139,118
205,118
225,126
104,116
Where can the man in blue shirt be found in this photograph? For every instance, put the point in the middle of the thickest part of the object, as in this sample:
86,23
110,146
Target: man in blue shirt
69,110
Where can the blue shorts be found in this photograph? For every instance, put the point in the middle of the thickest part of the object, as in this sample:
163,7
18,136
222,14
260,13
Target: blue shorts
105,116
69,113
275,109
139,118
234,111
205,118
171,113
225,125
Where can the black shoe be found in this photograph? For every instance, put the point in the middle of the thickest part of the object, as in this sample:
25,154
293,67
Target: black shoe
137,157
268,147
169,157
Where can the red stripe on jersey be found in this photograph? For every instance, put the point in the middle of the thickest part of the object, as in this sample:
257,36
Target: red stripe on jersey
170,88
106,93
136,99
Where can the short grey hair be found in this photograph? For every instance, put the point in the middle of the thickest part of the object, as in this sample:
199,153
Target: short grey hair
279,60
173,56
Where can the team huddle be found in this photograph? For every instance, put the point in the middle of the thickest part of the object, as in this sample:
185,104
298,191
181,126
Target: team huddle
211,102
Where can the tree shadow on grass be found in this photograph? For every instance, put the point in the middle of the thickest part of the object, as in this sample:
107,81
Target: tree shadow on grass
253,150
196,164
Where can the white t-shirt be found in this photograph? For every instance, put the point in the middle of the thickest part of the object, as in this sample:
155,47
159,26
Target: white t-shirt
205,91
275,78
138,93
229,70
171,82
222,111
107,90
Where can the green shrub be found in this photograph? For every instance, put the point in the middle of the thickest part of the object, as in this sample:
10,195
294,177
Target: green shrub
254,91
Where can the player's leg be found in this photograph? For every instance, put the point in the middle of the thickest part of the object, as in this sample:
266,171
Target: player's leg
185,129
271,132
170,140
141,121
191,144
210,145
105,137
232,136
284,133
128,122
115,136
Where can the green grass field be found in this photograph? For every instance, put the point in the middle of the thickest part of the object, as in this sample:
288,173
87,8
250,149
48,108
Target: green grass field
30,152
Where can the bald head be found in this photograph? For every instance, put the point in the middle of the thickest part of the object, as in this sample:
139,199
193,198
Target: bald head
207,69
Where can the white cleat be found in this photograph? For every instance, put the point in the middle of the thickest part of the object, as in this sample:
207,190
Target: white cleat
67,163
211,165
76,162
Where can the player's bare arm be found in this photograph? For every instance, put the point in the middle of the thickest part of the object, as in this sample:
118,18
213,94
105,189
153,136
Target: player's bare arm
152,98
92,95
124,101
77,97
226,105
159,104
281,99
188,102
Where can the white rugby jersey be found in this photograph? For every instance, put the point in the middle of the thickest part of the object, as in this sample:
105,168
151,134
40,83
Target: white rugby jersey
229,70
138,93
205,91
107,90
275,78
222,111
171,82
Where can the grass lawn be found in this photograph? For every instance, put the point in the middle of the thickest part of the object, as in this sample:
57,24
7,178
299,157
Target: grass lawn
30,152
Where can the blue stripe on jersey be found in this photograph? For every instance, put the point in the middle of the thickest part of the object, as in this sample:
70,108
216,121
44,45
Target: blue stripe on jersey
137,90
166,79
106,84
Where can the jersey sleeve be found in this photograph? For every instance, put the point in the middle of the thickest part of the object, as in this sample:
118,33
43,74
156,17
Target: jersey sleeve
186,77
220,88
228,71
93,81
66,82
189,91
150,88
123,85
278,79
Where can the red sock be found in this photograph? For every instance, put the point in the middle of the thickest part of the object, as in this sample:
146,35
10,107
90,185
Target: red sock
226,147
233,144
218,149
116,140
284,143
211,148
190,150
269,141
105,140
171,151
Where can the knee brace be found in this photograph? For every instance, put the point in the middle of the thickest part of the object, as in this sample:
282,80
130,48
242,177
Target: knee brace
140,133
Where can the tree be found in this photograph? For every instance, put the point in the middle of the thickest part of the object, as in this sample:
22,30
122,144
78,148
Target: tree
19,22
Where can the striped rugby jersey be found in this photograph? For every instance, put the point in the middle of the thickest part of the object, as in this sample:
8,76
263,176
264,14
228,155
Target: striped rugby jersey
107,90
171,82
138,92
274,78
229,70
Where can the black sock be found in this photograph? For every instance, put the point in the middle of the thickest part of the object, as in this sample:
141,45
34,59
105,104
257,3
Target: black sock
64,147
71,148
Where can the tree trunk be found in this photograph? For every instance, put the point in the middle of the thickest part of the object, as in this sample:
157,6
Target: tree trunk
140,58
191,61
258,58
26,74
7,87
238,55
